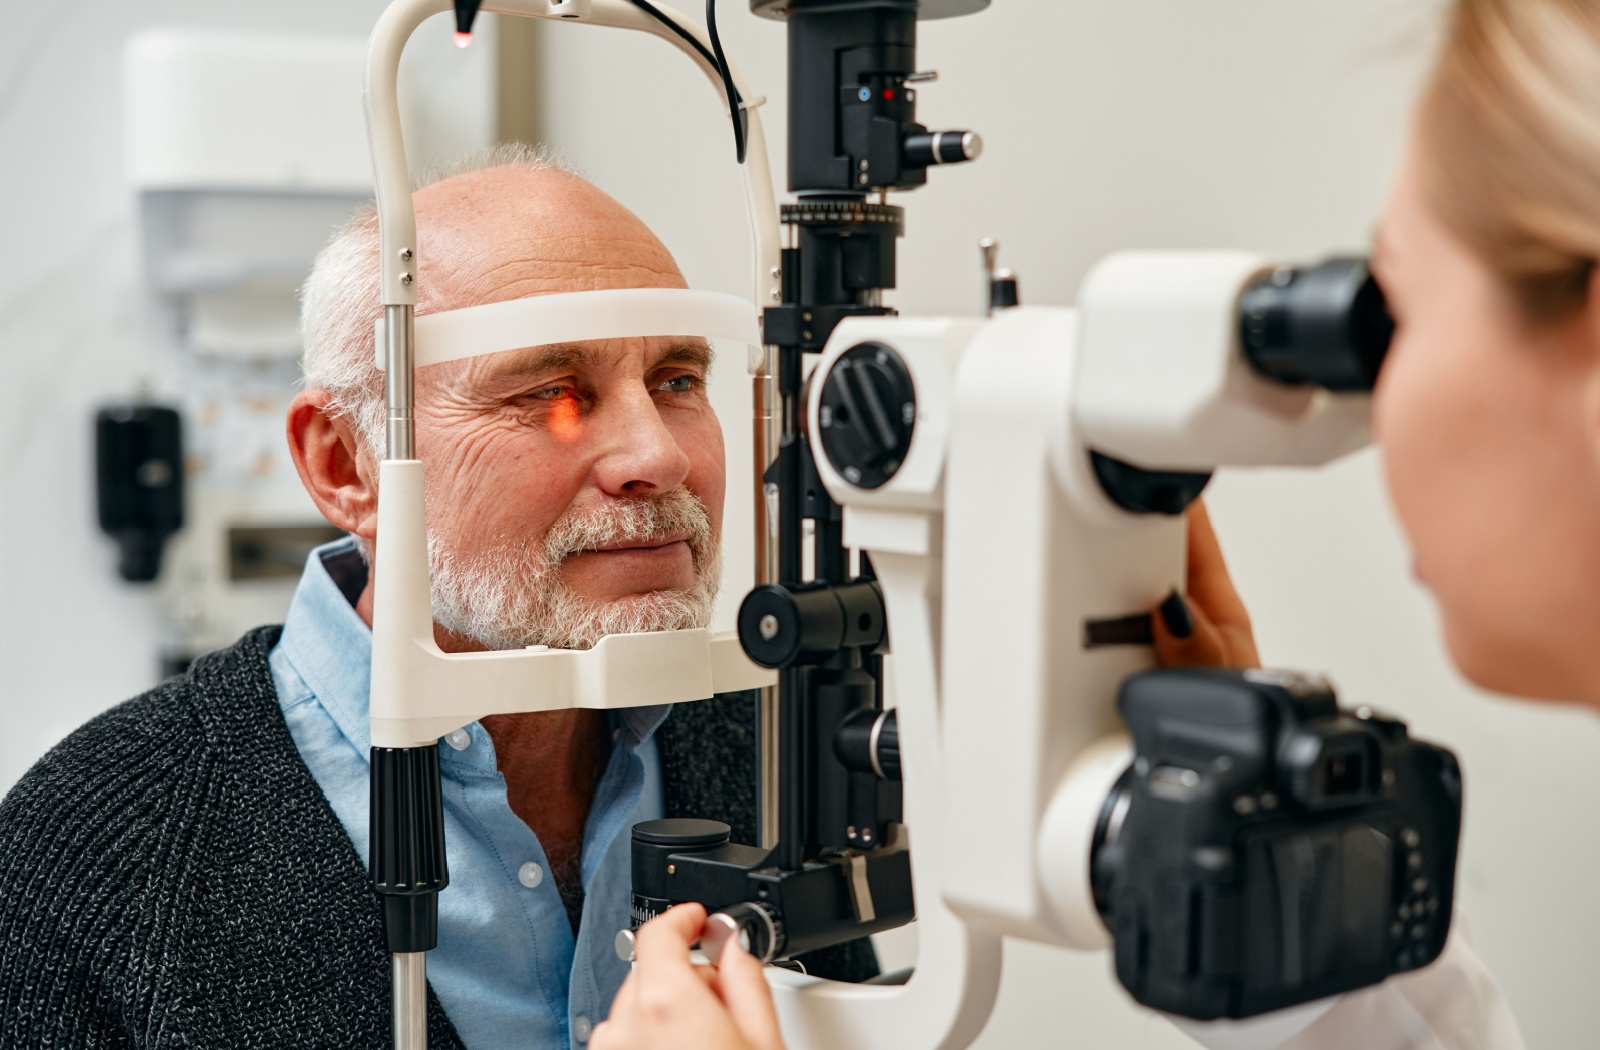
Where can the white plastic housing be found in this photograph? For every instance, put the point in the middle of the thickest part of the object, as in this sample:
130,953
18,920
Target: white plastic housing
1163,382
953,989
1033,549
878,519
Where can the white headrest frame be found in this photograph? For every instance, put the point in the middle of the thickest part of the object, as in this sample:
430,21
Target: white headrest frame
571,317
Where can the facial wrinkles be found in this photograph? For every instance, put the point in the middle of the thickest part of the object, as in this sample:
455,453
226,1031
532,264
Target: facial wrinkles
510,594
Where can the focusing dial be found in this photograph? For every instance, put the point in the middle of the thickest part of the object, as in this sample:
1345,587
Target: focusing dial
867,413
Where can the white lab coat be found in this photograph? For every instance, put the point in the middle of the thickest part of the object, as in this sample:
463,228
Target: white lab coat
1453,1004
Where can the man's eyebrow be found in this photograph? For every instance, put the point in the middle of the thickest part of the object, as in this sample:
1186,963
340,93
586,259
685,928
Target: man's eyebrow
547,358
552,357
698,354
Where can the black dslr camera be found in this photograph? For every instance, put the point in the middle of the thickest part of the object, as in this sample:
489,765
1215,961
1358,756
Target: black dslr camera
1267,848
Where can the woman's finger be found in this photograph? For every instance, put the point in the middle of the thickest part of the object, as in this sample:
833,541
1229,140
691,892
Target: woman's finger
1185,636
743,987
661,958
1209,626
664,940
1210,587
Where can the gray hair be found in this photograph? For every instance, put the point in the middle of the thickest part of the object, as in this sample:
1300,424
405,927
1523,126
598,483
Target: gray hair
339,305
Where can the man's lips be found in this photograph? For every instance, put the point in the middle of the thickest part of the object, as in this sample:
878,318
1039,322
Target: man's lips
650,543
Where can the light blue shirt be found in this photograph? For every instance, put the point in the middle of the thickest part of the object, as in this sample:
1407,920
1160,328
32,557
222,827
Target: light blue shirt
507,970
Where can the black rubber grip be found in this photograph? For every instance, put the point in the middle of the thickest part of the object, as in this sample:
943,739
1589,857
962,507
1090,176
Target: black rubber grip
407,862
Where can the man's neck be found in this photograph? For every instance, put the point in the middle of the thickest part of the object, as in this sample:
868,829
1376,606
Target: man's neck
551,762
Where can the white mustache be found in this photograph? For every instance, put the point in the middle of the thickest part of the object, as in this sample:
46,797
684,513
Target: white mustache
630,521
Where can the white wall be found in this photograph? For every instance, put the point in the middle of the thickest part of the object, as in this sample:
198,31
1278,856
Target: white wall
74,639
1167,123
1109,123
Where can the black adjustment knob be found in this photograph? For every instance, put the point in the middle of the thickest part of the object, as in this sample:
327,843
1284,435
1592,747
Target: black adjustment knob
1327,325
867,413
924,148
869,742
781,626
757,928
1003,291
656,886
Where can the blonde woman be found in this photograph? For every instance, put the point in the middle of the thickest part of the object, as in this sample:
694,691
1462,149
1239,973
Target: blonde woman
1488,416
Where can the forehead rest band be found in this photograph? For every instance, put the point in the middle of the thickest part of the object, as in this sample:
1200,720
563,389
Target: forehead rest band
572,317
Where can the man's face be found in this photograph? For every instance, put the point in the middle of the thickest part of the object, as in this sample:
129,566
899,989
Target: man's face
573,491
576,490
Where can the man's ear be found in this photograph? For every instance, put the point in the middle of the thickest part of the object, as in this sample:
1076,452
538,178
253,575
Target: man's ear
339,477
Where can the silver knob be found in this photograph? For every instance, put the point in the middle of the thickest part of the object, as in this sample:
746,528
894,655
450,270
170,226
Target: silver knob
719,929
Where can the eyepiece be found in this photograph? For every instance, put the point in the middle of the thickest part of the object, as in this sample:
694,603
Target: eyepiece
1326,325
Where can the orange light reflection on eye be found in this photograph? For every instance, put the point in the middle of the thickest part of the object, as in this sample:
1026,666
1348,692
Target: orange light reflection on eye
564,419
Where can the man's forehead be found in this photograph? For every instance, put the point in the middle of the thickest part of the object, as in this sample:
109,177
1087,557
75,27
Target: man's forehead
513,231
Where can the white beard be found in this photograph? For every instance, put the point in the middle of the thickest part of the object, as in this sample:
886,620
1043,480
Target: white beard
511,596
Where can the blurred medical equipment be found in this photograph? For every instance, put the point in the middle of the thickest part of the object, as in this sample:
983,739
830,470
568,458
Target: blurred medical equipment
243,153
1002,501
138,466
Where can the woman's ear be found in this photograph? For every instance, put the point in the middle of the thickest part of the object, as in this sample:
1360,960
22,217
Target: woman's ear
339,476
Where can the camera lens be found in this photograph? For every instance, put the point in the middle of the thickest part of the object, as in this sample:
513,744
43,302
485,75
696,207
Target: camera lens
1326,325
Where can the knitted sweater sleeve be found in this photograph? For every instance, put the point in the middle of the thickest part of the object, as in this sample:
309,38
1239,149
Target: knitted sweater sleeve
93,847
171,876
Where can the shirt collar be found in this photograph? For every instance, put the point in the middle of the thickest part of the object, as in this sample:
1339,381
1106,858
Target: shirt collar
330,646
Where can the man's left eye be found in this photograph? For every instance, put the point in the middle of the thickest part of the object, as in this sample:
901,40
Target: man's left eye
679,385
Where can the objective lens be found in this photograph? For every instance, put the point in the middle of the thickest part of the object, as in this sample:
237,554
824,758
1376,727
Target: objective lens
1326,325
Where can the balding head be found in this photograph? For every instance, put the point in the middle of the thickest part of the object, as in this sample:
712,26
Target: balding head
572,491
517,230
512,224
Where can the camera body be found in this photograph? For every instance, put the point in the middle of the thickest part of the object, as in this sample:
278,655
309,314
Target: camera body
1267,848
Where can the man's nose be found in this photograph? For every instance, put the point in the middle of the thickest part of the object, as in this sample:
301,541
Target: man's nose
641,455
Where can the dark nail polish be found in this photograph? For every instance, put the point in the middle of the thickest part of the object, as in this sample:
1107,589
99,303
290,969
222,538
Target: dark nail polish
1175,614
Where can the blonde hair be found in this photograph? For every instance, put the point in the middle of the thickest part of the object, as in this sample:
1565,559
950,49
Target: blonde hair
1509,136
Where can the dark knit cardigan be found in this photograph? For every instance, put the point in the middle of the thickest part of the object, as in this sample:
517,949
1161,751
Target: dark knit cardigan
172,876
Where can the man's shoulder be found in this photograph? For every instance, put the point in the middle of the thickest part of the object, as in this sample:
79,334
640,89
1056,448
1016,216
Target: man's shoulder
124,768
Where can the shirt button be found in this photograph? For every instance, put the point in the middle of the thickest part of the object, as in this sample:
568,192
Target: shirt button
459,739
581,1028
530,874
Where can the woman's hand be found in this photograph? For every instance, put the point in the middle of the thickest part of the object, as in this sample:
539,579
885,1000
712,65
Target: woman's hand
669,1003
1211,628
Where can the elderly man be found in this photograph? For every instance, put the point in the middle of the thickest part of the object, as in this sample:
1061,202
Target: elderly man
189,868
